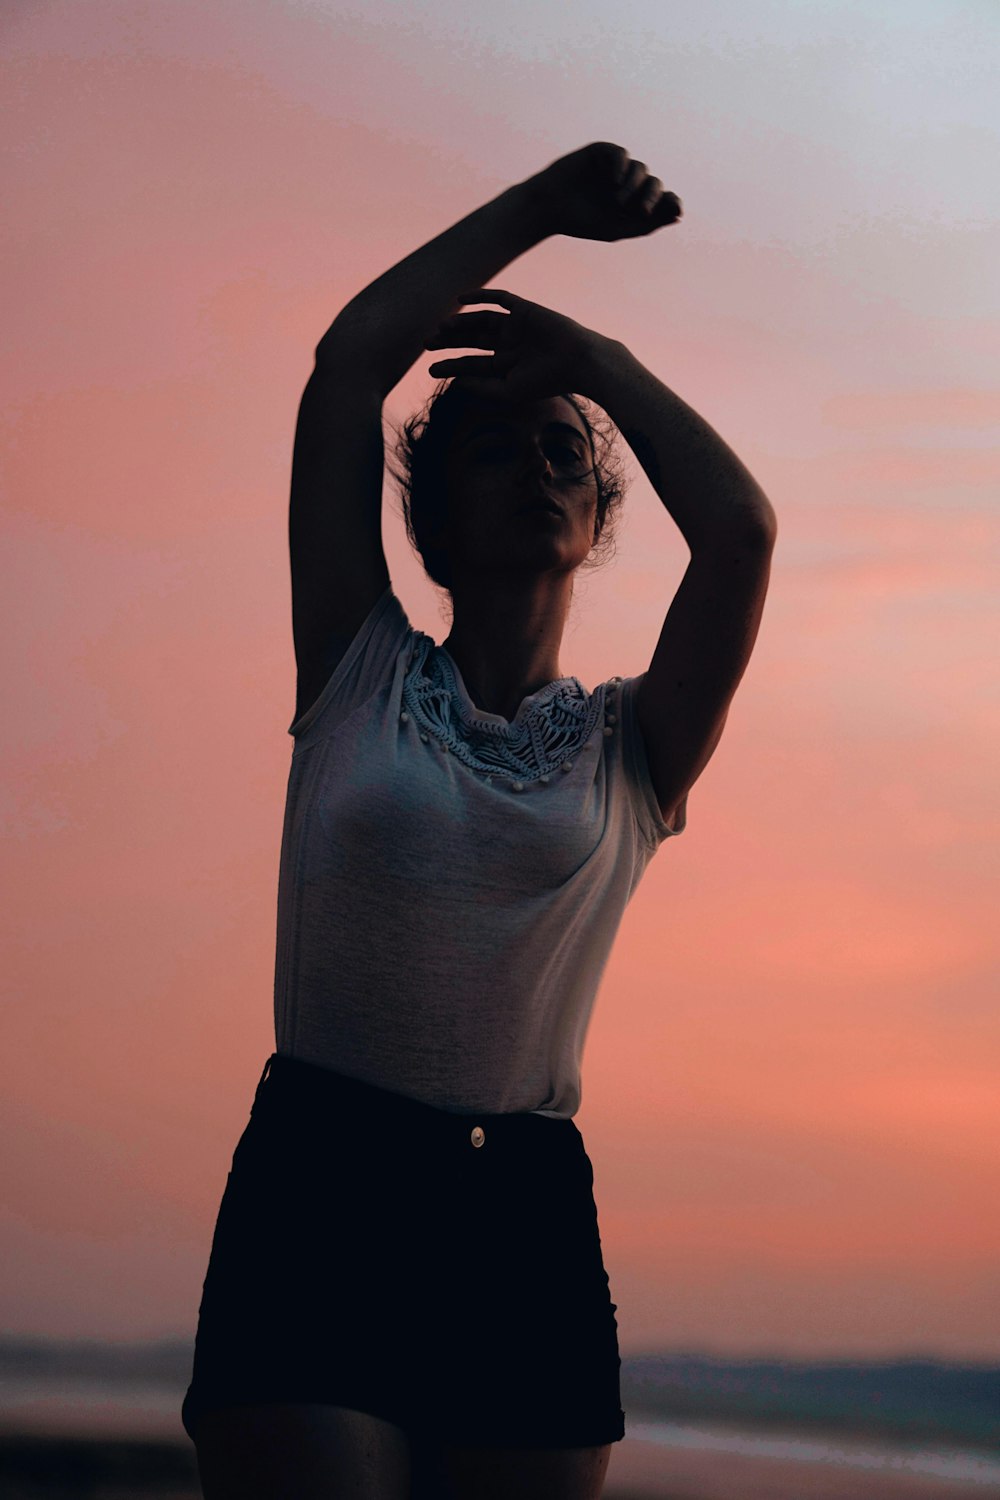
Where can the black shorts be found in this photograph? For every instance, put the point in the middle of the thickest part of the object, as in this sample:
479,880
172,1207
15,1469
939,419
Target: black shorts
440,1270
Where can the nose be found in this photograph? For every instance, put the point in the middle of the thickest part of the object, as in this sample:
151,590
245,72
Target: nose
535,453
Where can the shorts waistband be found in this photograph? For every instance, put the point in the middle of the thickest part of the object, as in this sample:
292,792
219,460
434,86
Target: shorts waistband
301,1088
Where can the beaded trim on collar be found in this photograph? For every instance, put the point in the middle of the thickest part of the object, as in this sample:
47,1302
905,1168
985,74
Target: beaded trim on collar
542,738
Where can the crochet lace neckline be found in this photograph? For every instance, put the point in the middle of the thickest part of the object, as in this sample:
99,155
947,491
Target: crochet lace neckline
453,675
550,725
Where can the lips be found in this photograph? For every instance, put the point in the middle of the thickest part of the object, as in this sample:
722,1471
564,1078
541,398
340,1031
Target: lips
543,502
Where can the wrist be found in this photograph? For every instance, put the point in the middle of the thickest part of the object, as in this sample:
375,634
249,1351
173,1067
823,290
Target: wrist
531,208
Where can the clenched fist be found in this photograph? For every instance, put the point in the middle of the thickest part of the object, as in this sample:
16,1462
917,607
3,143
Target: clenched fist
600,193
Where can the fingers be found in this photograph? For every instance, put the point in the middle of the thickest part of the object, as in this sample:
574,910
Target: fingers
476,330
667,210
633,177
494,365
647,194
491,294
621,163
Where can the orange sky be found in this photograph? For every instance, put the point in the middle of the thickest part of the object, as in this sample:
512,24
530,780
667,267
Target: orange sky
790,1086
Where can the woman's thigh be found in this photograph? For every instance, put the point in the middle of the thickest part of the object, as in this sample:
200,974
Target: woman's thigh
527,1473
312,1451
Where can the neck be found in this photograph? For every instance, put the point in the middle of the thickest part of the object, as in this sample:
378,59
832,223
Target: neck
505,638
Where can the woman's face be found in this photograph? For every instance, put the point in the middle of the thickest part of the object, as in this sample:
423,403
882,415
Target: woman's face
522,492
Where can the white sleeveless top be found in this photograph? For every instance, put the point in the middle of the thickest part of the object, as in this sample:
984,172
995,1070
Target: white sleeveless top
450,882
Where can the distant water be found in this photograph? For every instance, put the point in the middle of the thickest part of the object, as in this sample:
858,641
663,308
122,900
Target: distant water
844,1453
87,1407
934,1420
100,1408
93,1408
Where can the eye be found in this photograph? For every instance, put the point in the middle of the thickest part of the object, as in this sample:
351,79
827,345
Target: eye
564,455
490,450
576,466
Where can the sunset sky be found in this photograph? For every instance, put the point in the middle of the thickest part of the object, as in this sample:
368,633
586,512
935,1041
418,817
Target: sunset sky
790,1088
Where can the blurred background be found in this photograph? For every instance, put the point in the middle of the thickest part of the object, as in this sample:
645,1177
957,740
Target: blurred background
790,1084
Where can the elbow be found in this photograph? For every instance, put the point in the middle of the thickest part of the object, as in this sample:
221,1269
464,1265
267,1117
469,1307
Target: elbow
764,521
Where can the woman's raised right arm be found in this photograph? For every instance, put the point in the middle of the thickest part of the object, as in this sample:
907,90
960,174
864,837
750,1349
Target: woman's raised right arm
383,329
335,512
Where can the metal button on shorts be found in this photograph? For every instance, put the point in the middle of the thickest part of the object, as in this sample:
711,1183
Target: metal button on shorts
478,1135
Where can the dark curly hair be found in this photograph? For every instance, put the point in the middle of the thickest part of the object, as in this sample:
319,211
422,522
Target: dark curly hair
420,448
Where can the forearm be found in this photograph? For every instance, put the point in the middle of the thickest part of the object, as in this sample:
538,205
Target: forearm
385,327
707,490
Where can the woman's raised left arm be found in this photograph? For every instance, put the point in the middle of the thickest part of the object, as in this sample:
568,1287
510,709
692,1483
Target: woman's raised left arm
707,490
730,526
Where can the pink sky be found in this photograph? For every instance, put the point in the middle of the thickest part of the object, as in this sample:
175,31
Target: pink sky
790,1086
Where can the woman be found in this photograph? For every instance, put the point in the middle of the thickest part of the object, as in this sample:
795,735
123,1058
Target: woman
406,1293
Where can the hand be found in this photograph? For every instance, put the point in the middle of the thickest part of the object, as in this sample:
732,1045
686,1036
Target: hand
600,193
538,352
